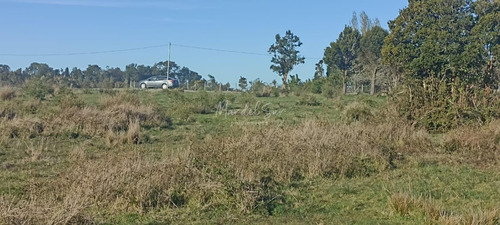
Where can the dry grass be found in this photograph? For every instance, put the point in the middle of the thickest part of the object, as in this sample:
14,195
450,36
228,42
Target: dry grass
479,145
404,205
132,135
122,113
400,203
120,183
243,172
246,171
21,127
7,93
314,149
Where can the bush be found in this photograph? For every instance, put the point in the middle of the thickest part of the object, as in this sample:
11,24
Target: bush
67,98
266,91
247,99
439,106
309,100
38,88
276,92
317,86
328,90
476,145
358,111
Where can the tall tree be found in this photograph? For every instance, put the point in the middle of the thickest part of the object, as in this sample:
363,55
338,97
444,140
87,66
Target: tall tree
243,83
371,52
342,54
354,21
429,38
39,70
186,76
319,71
76,77
91,76
485,45
285,55
4,73
131,74
366,23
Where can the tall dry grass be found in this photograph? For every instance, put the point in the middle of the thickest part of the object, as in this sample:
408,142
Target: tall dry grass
406,205
115,182
246,172
314,149
476,145
119,114
7,93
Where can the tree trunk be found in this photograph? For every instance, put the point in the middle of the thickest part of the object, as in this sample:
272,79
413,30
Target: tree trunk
374,76
285,77
344,85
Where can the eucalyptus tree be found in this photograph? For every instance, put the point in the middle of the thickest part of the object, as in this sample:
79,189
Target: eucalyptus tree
371,52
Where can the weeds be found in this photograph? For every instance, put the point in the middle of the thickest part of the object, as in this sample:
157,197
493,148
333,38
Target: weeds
308,100
313,148
358,111
38,88
404,205
439,107
111,164
7,94
479,145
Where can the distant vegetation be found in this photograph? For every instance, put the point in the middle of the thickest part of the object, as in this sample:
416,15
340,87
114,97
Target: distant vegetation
96,77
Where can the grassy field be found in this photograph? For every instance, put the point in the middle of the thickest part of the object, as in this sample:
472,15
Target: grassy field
169,157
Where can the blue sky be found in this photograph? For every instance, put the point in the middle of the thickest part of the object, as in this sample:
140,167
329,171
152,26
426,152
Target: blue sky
37,27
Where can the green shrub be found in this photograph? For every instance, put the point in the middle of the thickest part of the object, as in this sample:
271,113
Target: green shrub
265,91
317,86
67,98
38,88
247,98
309,100
275,91
358,111
439,106
328,90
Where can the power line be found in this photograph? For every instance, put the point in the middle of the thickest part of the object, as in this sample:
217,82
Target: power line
86,53
220,50
139,48
230,51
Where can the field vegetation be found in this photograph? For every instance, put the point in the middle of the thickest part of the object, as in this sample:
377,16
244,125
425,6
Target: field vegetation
158,157
84,147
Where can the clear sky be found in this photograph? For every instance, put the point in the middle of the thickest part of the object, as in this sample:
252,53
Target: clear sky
30,29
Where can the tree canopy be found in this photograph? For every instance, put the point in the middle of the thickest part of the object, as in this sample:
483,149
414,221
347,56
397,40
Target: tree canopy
285,55
342,53
94,76
446,39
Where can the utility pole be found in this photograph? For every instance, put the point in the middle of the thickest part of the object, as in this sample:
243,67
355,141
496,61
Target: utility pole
168,62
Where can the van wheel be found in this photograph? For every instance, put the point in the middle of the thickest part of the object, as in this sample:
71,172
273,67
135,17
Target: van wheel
143,86
164,86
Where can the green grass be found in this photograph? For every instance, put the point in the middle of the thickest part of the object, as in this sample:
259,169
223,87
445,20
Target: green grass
456,189
359,200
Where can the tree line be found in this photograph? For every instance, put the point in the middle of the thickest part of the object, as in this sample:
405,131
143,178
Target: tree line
110,77
454,42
